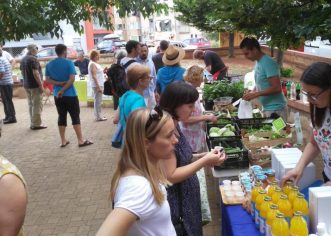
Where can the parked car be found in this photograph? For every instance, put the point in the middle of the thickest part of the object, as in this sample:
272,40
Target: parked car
199,42
49,53
110,45
182,45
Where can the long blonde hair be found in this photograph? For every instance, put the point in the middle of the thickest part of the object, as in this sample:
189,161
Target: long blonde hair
134,153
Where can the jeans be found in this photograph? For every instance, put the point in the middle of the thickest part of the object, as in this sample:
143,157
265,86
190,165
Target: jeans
115,101
97,102
35,106
7,99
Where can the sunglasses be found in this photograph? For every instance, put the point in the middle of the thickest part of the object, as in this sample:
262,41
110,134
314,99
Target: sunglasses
154,115
313,97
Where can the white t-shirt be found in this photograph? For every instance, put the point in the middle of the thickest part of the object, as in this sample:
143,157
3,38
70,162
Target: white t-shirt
99,75
126,60
7,55
134,193
322,137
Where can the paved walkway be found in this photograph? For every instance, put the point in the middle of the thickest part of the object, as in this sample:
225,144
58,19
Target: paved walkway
68,187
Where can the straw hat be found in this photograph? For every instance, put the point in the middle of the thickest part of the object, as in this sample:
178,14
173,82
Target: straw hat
173,55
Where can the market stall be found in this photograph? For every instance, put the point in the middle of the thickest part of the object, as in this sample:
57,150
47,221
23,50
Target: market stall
84,91
260,151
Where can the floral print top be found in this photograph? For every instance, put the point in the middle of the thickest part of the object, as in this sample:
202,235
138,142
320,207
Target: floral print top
322,137
195,133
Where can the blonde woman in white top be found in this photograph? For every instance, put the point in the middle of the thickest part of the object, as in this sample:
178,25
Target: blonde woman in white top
138,184
96,78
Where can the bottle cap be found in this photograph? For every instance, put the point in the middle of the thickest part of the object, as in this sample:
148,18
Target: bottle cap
297,213
278,189
280,215
267,198
262,191
283,196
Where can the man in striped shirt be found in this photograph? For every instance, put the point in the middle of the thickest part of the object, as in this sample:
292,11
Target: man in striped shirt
6,90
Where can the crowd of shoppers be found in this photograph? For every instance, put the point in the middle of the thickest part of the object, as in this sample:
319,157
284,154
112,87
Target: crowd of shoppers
153,192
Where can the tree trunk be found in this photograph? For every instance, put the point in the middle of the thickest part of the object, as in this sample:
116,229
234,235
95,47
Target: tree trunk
280,57
231,44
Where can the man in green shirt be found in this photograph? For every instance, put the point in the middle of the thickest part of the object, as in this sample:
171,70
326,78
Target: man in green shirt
267,79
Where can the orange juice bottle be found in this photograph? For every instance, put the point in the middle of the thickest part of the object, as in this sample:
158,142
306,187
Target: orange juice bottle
301,204
285,207
258,202
276,195
272,187
280,226
271,215
293,194
287,187
255,192
298,225
265,206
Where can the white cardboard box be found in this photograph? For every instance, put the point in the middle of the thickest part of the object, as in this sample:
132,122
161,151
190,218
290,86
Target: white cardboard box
281,155
320,207
308,176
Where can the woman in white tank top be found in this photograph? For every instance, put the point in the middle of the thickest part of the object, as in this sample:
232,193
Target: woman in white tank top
96,80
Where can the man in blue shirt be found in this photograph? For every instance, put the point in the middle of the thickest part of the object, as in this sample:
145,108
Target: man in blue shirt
6,90
172,70
61,73
143,59
267,80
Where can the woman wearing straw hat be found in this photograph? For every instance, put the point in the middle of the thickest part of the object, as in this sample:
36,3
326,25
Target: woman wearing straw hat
172,70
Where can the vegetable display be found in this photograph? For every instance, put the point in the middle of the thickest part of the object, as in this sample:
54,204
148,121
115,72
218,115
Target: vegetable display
227,130
223,89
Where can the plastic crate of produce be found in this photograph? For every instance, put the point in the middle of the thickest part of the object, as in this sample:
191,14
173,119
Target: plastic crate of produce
253,122
236,132
237,154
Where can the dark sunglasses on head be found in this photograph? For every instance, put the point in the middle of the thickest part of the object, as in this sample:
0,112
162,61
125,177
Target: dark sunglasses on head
154,115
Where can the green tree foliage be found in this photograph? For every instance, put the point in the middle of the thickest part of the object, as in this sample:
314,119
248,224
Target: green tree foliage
22,18
285,22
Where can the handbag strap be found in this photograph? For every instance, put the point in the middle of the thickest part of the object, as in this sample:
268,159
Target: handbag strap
179,196
122,107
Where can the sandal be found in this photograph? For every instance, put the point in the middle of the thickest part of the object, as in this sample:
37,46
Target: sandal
86,143
63,145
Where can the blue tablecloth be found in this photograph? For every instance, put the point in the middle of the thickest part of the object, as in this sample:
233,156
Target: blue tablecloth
238,222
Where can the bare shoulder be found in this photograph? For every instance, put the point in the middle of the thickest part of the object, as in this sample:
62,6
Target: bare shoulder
12,189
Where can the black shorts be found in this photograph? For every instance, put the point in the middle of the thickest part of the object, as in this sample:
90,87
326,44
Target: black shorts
65,105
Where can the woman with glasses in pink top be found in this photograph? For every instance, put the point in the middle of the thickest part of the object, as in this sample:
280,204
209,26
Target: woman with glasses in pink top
316,84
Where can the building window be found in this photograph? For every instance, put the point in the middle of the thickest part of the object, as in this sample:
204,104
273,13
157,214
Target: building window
120,26
163,26
96,23
183,28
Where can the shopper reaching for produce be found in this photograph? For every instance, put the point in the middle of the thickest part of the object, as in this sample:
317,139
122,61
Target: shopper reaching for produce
193,127
268,87
184,195
316,84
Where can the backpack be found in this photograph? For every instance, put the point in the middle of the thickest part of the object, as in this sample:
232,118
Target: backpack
117,75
